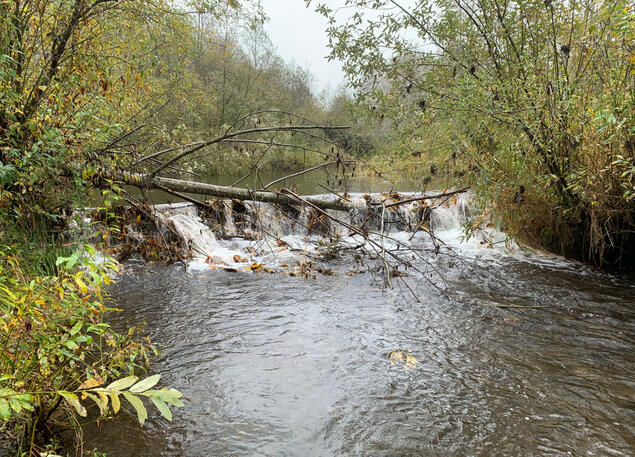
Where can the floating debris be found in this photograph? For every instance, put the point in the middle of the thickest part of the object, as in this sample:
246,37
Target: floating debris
403,357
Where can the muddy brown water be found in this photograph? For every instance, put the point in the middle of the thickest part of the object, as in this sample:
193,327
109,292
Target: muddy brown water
273,365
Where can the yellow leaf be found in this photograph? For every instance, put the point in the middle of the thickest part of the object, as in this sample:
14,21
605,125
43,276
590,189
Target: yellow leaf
116,404
404,358
91,383
82,286
73,401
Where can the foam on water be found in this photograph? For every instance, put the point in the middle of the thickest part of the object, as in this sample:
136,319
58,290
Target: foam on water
281,236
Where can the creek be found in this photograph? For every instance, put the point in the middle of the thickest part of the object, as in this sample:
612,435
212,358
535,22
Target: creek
528,354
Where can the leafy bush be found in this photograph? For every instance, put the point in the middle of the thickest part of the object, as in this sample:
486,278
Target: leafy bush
57,352
530,100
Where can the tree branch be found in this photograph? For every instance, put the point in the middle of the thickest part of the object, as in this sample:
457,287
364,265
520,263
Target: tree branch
198,146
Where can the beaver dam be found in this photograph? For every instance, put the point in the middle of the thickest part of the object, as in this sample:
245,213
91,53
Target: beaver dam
293,332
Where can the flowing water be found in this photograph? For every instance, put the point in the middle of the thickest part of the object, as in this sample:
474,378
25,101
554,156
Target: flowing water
527,355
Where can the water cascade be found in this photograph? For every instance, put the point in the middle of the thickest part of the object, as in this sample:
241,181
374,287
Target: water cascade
243,233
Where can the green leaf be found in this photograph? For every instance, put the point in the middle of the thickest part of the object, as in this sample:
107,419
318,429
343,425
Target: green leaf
76,328
21,401
72,260
84,339
146,384
72,400
96,278
163,408
5,409
71,344
142,413
122,384
177,402
68,354
170,396
61,260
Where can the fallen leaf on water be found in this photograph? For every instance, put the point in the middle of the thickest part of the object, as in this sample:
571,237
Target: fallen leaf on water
405,358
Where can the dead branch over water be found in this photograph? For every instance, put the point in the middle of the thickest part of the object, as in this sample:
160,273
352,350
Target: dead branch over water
149,170
284,197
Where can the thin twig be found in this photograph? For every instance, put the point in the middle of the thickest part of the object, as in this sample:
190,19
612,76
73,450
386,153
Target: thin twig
424,197
299,173
189,149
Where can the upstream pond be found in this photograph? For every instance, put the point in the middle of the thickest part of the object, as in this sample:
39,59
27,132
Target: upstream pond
528,355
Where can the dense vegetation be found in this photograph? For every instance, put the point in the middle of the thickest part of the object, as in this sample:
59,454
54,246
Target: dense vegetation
85,85
531,101
57,353
86,89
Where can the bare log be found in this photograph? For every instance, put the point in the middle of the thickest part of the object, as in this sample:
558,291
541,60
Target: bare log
192,187
147,181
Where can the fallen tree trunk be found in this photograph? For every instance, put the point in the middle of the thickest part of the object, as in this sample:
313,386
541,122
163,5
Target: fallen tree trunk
238,193
278,197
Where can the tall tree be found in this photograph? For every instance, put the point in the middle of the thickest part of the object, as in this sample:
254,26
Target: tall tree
537,97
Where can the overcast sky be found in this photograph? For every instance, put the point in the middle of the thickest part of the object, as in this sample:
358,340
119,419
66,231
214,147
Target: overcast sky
300,34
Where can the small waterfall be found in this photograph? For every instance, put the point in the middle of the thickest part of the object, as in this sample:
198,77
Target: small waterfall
451,215
201,240
259,232
228,220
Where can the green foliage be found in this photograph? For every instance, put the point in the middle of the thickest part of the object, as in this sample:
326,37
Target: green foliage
56,350
74,76
526,97
128,78
88,88
229,68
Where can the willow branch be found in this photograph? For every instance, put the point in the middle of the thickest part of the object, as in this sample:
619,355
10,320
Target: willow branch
190,149
299,173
